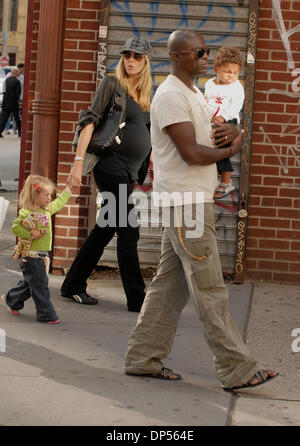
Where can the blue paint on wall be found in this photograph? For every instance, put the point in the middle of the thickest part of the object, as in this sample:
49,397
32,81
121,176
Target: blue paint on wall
154,6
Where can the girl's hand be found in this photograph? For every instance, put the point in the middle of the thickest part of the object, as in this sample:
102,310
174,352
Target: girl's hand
68,189
35,234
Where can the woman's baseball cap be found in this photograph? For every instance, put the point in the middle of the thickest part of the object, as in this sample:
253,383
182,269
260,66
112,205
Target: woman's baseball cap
137,45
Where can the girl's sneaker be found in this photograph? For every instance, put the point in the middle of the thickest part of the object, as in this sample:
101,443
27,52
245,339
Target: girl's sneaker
44,321
14,312
57,321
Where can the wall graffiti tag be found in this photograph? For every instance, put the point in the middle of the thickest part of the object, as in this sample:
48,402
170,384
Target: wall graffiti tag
240,254
285,36
182,22
102,43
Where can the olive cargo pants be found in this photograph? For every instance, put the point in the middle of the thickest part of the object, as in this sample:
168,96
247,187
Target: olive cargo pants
179,276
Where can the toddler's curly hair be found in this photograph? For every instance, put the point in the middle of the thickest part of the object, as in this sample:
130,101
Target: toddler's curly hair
228,54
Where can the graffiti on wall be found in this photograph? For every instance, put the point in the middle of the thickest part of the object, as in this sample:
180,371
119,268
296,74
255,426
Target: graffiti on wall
183,21
285,35
102,44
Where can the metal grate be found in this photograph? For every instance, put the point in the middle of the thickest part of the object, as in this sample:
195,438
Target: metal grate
221,23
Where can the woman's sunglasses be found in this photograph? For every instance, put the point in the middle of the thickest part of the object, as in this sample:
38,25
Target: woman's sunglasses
136,56
199,52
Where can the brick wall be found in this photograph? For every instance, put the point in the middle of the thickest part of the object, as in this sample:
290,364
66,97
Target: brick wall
79,71
273,248
30,79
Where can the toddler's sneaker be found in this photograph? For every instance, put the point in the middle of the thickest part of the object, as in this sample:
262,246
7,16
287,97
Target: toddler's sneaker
223,190
14,312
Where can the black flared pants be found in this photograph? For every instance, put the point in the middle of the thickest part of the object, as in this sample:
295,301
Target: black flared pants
117,211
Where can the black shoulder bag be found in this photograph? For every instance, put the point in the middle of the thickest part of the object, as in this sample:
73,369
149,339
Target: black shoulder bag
108,134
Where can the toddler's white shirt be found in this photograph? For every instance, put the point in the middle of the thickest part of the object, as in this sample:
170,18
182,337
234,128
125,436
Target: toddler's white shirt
229,98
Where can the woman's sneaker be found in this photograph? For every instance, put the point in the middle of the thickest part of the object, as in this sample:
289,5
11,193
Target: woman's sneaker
81,298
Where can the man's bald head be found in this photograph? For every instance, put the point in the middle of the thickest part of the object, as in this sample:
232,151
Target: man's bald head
15,72
181,38
183,46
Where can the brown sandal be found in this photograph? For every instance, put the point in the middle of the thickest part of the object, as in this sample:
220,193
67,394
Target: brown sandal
262,376
163,373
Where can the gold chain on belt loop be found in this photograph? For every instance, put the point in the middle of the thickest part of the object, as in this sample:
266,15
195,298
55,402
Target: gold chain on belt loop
179,230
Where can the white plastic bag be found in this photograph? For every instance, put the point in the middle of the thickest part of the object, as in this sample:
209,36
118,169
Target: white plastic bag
3,209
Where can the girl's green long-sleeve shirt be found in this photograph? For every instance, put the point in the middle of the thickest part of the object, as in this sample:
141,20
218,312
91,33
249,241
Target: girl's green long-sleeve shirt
44,243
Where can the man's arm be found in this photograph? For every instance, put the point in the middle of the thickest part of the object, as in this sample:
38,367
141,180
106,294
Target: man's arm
183,136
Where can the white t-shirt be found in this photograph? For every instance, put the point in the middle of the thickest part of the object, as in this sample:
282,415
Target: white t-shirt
229,98
173,103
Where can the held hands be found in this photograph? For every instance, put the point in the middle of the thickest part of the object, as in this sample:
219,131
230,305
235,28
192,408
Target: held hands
74,179
69,189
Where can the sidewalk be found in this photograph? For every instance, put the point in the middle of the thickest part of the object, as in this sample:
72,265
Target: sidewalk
72,374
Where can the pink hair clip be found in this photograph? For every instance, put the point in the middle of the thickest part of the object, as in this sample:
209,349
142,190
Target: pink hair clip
36,187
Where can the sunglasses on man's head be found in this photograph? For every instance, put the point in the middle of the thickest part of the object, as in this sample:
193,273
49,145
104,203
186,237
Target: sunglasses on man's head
199,52
136,56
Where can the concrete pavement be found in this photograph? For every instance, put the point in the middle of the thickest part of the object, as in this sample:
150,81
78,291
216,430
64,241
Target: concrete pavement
72,374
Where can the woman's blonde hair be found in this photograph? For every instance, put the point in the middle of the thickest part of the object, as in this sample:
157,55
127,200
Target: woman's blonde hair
32,187
143,85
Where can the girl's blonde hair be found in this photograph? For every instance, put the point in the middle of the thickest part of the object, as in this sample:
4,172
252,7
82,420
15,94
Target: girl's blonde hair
143,85
31,189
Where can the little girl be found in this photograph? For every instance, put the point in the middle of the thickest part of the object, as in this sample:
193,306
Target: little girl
35,199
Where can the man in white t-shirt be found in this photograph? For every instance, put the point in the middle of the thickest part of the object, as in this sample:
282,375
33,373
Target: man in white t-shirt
185,171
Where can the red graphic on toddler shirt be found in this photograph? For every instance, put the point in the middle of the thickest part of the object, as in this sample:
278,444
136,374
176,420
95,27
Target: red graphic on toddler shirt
219,100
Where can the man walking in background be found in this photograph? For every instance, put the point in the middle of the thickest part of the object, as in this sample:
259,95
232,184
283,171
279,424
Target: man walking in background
11,97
